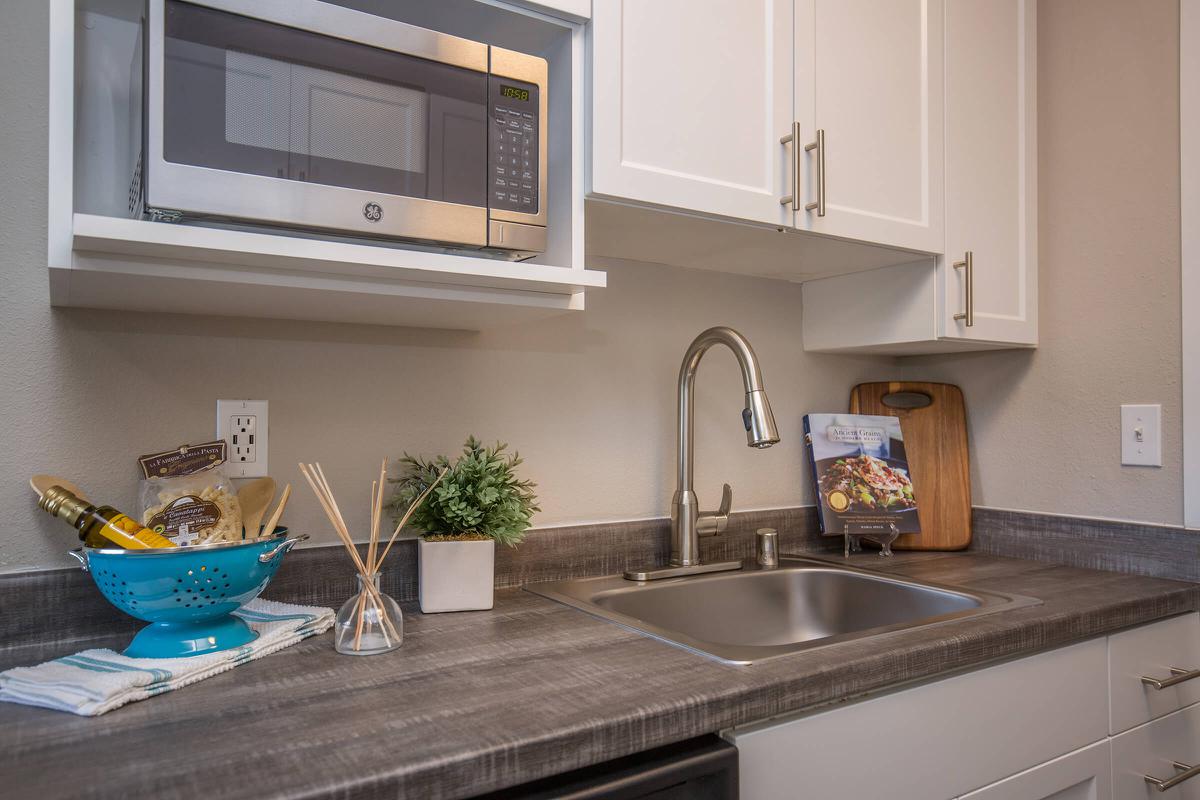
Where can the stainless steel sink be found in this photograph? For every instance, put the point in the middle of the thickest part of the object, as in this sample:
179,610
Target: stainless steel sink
752,614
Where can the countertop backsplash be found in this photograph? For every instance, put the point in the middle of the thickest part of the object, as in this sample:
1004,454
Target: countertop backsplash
64,603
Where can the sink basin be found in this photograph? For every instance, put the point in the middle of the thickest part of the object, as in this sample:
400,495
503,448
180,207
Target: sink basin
751,614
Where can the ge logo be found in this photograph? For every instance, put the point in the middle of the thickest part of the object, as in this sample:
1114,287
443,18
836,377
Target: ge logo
373,212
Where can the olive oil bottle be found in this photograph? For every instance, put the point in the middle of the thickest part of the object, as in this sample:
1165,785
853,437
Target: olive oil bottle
100,526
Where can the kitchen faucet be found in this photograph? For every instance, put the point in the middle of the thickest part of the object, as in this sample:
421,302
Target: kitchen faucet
688,523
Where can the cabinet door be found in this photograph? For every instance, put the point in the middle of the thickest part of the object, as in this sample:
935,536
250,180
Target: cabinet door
991,170
1085,774
689,101
1153,750
869,74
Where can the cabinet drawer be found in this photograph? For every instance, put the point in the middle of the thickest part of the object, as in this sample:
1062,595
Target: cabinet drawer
1085,774
1152,651
977,728
1151,750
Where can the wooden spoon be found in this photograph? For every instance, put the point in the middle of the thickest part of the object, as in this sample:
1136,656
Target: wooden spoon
41,483
269,528
254,498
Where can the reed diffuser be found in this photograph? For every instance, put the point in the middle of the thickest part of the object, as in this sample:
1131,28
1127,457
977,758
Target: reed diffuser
370,622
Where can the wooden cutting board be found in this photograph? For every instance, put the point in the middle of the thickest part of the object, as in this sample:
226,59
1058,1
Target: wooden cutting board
935,441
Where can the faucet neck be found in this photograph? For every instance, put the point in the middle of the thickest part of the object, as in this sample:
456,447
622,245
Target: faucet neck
751,380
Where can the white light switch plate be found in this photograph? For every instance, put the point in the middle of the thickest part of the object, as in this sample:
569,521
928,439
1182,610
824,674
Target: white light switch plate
243,426
1141,435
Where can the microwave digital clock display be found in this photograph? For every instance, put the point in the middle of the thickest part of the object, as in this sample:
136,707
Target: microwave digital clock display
514,92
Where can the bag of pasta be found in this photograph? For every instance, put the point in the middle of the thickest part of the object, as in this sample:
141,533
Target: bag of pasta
187,496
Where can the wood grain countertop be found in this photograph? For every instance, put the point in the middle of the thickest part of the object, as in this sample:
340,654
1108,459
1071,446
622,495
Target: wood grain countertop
482,700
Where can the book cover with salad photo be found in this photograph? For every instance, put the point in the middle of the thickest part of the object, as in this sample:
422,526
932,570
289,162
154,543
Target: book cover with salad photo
861,476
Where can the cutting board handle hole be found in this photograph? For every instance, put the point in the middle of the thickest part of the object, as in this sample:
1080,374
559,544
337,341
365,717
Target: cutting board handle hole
907,400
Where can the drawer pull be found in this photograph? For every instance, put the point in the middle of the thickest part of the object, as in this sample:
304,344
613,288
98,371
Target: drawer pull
1171,783
1177,676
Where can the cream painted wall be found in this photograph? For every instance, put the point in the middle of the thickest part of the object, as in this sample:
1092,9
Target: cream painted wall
1044,424
588,399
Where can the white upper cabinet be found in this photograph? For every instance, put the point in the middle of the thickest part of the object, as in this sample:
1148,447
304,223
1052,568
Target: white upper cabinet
865,143
983,292
688,98
991,171
868,81
694,105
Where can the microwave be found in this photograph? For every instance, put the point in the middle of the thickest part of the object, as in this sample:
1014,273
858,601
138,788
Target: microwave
309,115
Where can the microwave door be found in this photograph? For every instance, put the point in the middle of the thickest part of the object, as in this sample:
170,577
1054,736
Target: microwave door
253,117
457,150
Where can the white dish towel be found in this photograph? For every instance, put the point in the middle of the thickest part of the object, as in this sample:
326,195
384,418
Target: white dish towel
96,681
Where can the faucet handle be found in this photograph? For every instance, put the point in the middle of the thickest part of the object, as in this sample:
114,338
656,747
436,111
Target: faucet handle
726,501
712,523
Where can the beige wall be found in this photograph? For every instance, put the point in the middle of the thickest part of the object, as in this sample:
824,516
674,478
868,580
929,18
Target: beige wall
1045,424
588,399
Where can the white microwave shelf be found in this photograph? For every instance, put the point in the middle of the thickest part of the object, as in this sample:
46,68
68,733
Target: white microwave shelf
139,265
98,257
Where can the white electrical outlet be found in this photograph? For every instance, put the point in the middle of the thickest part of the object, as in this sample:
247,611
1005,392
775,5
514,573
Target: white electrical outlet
243,426
1141,435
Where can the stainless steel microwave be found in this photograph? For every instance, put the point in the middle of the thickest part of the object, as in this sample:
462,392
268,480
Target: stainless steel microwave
306,114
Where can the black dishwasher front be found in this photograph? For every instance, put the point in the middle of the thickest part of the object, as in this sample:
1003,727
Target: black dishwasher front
704,768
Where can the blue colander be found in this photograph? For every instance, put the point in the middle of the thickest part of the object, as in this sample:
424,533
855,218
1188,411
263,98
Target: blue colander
187,594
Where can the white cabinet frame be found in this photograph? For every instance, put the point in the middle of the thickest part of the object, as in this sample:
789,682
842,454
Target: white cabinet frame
113,262
1189,206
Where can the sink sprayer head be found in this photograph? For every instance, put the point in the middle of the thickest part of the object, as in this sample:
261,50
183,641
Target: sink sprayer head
759,421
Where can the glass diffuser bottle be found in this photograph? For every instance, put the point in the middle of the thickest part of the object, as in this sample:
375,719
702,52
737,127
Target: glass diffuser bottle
370,622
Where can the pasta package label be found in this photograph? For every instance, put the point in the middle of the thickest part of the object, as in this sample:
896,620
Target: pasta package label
860,474
183,460
186,519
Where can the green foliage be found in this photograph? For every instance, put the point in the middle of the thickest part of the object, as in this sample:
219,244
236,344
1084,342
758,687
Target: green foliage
480,497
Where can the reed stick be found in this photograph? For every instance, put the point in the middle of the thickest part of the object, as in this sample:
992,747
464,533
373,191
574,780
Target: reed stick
359,611
411,508
372,550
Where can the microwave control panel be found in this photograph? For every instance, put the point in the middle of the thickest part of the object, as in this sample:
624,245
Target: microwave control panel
513,163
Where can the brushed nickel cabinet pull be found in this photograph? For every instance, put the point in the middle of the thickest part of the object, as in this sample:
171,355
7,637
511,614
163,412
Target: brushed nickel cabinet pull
968,265
794,197
1186,772
1177,676
819,146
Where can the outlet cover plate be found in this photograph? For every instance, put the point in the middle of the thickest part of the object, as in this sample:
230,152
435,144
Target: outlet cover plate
1141,435
243,424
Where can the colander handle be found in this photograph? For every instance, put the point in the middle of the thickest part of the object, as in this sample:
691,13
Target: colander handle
81,557
282,547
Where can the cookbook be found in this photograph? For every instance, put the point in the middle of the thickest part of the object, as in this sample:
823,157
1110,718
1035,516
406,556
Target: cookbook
860,474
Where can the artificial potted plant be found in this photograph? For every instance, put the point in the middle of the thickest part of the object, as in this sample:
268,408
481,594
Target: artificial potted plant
480,501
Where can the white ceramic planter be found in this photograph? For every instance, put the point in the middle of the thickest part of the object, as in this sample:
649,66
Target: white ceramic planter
456,576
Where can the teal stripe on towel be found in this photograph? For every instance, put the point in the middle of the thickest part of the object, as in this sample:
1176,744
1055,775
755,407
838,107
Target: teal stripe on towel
159,675
259,616
74,661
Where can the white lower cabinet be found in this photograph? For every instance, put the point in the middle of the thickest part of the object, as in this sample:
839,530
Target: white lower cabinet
1085,774
1152,651
1153,750
1036,728
938,740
